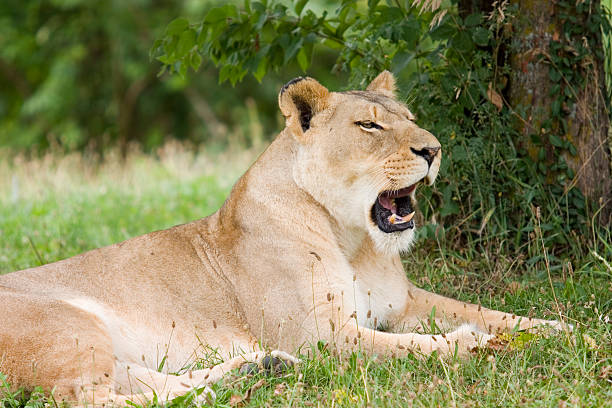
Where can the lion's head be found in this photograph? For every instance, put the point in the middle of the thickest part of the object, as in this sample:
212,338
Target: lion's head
361,156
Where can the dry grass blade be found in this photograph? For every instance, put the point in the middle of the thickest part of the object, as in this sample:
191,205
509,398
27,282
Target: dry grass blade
427,5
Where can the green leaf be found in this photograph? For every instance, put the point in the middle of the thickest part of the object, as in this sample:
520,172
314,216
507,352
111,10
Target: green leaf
443,31
219,14
554,74
292,49
556,140
164,59
196,61
303,59
309,20
299,6
177,26
462,42
225,73
555,89
401,60
449,208
182,69
473,20
372,4
261,70
555,107
186,42
542,157
481,36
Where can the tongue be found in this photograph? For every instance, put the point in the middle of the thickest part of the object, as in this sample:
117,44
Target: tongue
388,203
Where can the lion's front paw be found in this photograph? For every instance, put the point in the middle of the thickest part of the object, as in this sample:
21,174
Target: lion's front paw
465,339
275,363
286,357
199,396
545,326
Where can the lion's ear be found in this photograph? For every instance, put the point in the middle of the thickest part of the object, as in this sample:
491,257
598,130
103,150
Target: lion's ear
299,100
384,83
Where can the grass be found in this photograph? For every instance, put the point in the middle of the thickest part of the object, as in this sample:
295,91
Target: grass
56,207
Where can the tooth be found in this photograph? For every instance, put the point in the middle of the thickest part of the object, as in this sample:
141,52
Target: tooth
393,219
408,217
396,219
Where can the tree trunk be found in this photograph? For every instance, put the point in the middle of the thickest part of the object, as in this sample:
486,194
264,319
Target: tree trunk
537,26
534,29
467,7
589,131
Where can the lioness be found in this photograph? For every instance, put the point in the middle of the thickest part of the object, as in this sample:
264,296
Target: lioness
306,247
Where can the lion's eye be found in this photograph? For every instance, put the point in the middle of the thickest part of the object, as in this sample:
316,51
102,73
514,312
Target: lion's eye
368,125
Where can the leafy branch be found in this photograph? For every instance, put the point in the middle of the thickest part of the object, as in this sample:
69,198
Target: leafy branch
263,36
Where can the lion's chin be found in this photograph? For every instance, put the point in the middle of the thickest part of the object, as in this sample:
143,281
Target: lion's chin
392,243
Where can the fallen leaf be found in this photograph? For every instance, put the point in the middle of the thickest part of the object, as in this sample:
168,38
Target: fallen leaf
494,97
235,400
254,388
497,343
606,373
279,389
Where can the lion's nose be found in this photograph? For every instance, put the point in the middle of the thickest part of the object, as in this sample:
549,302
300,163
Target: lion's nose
428,153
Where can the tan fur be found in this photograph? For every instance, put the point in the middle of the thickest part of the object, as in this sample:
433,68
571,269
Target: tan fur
384,84
292,257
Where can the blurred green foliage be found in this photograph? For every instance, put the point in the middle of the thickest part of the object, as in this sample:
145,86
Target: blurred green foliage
76,74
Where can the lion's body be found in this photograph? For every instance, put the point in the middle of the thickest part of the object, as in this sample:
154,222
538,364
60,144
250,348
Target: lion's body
286,261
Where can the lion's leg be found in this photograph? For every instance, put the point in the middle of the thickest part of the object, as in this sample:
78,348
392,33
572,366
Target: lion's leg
51,344
344,333
140,384
350,337
421,303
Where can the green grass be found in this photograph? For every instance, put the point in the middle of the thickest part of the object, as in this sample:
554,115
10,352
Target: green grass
56,207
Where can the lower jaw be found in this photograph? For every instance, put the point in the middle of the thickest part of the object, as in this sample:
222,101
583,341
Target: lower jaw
380,217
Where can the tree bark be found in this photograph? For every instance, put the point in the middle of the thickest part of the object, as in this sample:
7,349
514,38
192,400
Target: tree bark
536,24
589,131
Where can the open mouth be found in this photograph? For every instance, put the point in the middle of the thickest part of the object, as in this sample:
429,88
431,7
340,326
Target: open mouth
393,210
